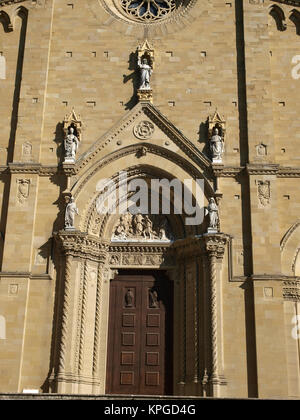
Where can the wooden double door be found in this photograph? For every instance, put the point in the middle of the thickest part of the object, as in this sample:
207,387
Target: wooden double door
139,358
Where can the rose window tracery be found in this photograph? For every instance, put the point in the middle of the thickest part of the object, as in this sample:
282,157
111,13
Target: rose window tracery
148,10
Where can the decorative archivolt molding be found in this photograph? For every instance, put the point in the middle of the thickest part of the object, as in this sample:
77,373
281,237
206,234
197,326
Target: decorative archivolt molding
288,234
96,223
150,148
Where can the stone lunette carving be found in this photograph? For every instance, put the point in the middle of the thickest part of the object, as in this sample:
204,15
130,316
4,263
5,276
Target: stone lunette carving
140,227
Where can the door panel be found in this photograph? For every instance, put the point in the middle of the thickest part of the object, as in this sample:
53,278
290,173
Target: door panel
140,335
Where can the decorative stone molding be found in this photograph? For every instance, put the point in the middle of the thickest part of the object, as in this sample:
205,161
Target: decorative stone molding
291,290
262,169
288,234
135,255
81,245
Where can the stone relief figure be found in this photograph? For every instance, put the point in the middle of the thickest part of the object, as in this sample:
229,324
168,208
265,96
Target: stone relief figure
138,224
129,299
140,227
123,227
216,146
71,210
148,227
213,213
162,231
145,73
71,146
153,299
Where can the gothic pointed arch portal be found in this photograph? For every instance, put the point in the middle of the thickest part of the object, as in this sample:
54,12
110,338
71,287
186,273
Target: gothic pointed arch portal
110,242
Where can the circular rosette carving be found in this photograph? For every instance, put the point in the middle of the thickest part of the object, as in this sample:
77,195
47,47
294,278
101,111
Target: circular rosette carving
143,130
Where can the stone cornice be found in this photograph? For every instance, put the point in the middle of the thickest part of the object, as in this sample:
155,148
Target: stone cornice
216,170
262,169
28,275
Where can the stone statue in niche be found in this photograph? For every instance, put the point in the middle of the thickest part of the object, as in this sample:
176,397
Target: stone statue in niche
71,146
216,146
71,210
213,214
145,73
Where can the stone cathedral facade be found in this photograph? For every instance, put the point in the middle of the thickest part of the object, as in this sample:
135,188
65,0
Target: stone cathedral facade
136,92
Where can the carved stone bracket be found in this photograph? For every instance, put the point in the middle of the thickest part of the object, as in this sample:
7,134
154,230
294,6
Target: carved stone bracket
82,245
206,244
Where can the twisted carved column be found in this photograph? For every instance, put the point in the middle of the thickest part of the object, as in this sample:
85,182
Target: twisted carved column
83,318
65,313
213,318
97,320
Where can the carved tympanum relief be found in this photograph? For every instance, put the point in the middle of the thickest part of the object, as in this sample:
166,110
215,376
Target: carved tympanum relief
140,227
